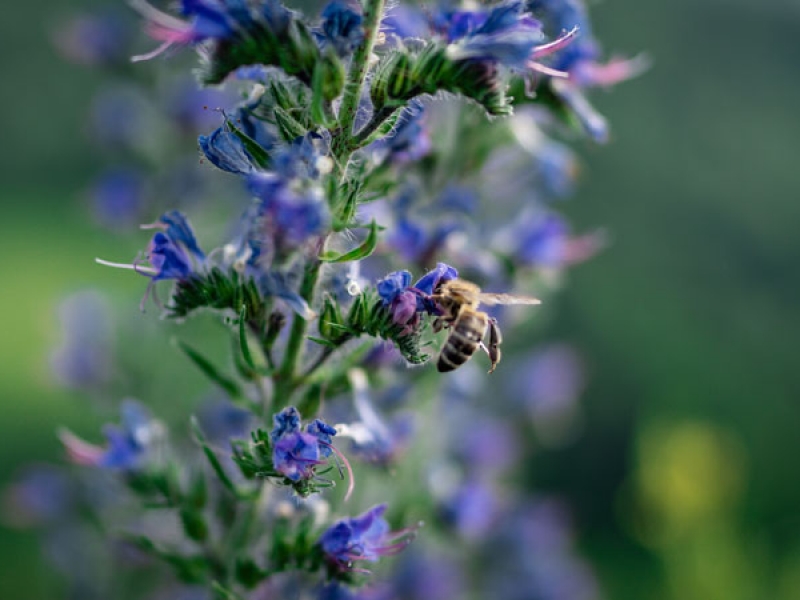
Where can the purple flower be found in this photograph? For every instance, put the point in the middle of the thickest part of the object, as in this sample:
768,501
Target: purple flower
341,27
127,444
366,537
296,453
119,117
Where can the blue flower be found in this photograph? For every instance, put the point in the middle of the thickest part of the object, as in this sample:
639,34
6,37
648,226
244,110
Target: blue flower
366,537
392,285
127,444
405,21
307,157
180,232
295,453
429,282
208,19
285,422
409,142
504,35
226,151
168,260
289,216
341,27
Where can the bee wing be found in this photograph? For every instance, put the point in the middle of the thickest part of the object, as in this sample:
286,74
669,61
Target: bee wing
492,299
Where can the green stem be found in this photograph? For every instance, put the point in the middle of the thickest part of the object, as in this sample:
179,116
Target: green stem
285,377
373,11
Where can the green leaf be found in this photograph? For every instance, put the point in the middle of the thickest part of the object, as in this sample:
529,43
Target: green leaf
210,371
194,525
366,248
226,481
223,593
322,341
248,357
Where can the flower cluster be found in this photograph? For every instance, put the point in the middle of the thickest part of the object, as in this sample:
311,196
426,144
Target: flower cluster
346,165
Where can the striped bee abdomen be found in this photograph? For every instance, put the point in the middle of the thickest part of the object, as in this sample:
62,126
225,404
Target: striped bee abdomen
465,336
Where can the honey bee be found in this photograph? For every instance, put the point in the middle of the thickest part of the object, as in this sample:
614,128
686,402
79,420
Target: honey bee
459,300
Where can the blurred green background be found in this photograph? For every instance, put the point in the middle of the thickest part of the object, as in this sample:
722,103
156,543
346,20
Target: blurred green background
684,481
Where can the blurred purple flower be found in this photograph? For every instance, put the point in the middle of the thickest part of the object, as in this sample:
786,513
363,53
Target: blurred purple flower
119,117
118,197
194,108
221,421
127,445
472,508
84,357
95,39
39,495
374,440
289,217
543,240
410,140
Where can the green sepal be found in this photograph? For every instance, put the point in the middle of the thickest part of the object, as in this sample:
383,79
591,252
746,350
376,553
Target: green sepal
363,250
243,344
254,149
218,290
289,128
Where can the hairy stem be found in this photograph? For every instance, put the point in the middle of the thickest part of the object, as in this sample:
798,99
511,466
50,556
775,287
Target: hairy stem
373,11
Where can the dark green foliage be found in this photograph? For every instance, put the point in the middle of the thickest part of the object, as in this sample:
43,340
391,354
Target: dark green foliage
368,316
404,75
290,48
219,290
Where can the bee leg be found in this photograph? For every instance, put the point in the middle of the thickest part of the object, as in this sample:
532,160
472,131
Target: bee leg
439,324
495,338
